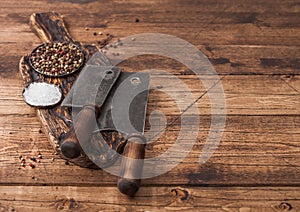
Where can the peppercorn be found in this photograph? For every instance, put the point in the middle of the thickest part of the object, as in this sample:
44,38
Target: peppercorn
47,57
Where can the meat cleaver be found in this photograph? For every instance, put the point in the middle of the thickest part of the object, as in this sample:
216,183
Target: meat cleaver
88,95
125,111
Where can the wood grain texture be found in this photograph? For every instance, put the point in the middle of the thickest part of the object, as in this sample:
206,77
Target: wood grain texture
52,198
253,45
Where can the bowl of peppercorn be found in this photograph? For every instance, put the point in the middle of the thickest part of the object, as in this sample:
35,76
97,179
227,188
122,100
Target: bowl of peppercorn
56,59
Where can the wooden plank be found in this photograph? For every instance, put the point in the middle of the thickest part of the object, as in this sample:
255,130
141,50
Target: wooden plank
142,6
50,198
199,16
237,34
227,59
213,51
264,95
254,150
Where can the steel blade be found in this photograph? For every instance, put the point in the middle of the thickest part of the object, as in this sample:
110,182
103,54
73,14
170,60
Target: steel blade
92,86
125,108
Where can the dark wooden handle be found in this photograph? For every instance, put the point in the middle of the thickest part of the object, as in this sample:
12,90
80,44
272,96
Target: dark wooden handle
131,169
83,126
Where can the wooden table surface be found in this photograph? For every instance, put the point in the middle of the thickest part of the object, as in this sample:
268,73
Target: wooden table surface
255,48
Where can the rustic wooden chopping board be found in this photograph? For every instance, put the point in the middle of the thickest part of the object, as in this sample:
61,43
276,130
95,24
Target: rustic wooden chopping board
49,27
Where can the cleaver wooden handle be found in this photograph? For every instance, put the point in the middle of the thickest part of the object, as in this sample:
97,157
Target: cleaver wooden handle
131,170
82,129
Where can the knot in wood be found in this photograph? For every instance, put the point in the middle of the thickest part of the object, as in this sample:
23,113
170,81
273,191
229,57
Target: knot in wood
284,206
182,194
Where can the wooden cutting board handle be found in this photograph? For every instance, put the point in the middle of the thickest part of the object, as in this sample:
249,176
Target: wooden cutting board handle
131,169
49,27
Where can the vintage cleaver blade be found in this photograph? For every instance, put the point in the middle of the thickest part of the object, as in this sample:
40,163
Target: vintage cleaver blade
88,94
125,108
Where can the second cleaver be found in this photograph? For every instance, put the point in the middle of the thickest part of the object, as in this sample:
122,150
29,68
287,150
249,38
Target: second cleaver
87,95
